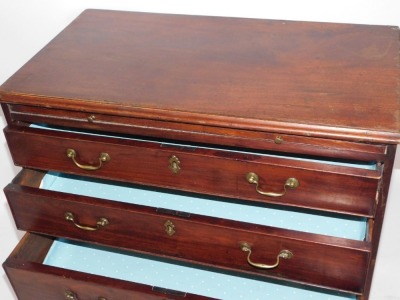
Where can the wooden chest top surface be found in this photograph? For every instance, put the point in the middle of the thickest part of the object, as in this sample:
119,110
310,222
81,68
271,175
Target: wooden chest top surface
307,78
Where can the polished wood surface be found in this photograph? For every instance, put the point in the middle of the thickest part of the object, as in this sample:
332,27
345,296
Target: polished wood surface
377,222
322,186
318,260
24,266
190,133
314,79
307,90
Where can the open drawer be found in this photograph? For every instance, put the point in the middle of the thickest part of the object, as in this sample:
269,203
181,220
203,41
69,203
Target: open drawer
25,265
317,257
63,269
343,186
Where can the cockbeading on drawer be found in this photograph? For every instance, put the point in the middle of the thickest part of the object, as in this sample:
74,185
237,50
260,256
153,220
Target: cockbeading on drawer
264,251
327,185
307,221
146,270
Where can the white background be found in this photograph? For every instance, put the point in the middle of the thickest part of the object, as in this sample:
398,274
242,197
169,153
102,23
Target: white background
27,25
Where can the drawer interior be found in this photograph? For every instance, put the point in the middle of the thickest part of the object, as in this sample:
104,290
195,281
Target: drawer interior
307,221
137,268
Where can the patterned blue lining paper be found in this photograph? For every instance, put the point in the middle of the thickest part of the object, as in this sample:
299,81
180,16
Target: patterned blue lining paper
127,266
121,265
332,225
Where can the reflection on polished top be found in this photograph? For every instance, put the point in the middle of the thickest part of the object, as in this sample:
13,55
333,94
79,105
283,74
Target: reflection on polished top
306,78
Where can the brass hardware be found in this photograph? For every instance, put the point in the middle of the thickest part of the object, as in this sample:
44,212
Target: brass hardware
290,183
91,118
100,223
70,295
103,157
278,140
169,228
284,254
174,164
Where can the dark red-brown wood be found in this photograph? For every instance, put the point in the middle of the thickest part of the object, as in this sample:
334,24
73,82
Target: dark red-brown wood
316,79
377,222
208,171
327,90
318,260
24,266
198,133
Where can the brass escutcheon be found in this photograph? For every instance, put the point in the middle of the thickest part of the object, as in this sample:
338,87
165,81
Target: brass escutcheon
174,164
169,228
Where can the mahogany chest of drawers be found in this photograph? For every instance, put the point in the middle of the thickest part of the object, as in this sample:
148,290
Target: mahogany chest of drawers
210,157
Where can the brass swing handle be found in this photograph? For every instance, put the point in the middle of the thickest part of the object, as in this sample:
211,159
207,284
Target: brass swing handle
291,183
284,254
103,157
100,223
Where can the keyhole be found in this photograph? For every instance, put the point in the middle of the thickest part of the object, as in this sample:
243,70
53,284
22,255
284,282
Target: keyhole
169,228
174,164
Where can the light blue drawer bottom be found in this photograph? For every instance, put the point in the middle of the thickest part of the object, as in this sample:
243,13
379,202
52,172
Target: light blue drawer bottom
326,224
127,266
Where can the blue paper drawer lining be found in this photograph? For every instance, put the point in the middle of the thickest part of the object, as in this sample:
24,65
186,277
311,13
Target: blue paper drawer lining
325,224
127,266
359,165
130,267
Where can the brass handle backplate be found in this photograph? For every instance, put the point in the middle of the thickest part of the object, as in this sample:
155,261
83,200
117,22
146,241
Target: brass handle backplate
91,118
291,183
283,254
103,157
72,296
100,223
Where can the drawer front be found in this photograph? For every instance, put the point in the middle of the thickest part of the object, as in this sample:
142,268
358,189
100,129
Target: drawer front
208,171
69,270
198,133
318,260
55,283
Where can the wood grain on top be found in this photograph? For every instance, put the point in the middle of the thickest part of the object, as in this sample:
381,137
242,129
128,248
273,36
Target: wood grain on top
307,78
